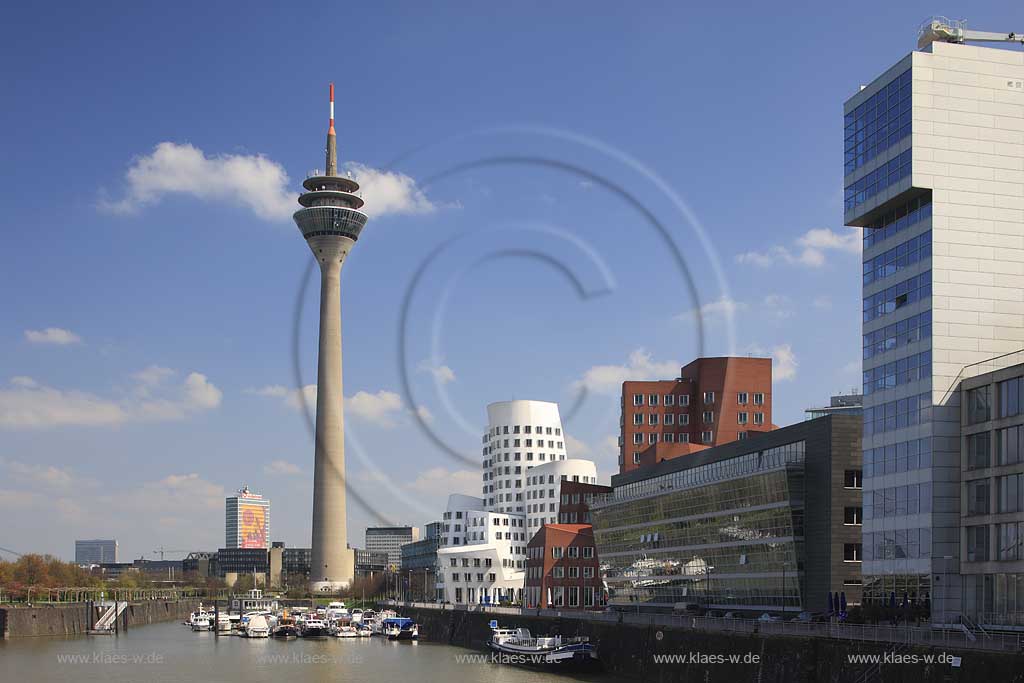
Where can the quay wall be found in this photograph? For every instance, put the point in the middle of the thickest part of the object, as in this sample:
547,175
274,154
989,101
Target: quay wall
628,651
73,619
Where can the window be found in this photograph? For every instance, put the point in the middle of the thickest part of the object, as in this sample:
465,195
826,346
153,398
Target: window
638,418
668,438
638,437
574,596
491,577
1009,397
684,399
706,437
670,399
741,418
1010,492
684,438
588,572
853,515
978,497
652,399
759,418
1008,541
977,543
556,552
670,418
1008,446
636,458
652,437
638,400
652,419
890,173
852,479
978,450
741,435
758,399
558,572
684,418
878,123
852,552
709,397
708,416
574,551
979,404
588,596
741,398
574,572
588,552
559,594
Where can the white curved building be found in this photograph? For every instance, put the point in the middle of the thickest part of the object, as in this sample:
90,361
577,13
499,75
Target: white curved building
483,541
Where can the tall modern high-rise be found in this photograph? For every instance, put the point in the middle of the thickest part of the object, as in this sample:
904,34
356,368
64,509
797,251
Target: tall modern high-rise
934,173
330,222
95,551
246,520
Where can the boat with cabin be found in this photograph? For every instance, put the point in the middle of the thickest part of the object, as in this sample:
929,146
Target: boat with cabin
518,646
400,628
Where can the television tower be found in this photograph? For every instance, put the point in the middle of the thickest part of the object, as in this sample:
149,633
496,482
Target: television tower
330,222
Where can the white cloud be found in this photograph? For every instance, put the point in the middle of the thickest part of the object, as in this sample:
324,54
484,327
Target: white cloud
439,479
34,475
723,307
777,306
52,335
252,181
281,467
784,361
574,447
389,192
31,405
608,379
808,250
379,408
425,414
442,373
152,376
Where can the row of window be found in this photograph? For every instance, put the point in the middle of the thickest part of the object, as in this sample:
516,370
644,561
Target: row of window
905,456
491,578
1009,496
898,372
898,501
522,429
465,561
898,544
1009,538
898,334
518,443
905,412
890,262
897,220
878,123
706,436
684,399
570,596
1009,448
878,180
899,295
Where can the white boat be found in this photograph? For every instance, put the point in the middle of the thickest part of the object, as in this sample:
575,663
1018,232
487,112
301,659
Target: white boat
336,610
379,619
357,615
364,631
201,622
346,632
224,622
517,646
257,627
314,628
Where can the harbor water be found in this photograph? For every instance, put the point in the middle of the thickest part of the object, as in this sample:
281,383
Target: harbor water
172,652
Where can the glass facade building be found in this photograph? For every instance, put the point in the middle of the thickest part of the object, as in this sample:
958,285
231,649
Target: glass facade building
933,174
729,527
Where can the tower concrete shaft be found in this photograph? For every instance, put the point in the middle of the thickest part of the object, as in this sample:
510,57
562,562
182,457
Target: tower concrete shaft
330,221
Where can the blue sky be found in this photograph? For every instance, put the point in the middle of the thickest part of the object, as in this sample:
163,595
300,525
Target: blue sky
554,189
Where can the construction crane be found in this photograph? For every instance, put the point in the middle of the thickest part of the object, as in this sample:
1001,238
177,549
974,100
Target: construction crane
946,30
161,550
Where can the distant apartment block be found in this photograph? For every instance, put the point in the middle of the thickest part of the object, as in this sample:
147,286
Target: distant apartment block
389,540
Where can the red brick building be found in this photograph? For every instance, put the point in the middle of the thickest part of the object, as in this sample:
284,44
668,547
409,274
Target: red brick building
562,569
712,402
574,505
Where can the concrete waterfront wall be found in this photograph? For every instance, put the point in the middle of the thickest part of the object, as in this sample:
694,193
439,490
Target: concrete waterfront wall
73,619
629,651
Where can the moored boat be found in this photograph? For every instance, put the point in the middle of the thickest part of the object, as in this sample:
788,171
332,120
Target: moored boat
314,628
518,646
257,627
400,628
